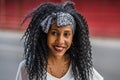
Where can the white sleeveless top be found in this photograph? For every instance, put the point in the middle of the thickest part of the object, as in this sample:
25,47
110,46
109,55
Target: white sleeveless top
22,74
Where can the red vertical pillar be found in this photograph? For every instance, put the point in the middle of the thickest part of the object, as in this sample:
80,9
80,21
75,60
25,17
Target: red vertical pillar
2,13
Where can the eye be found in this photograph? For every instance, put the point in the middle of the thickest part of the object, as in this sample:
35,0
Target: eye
66,34
55,33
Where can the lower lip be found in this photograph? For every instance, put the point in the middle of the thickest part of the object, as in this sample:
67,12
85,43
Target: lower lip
58,50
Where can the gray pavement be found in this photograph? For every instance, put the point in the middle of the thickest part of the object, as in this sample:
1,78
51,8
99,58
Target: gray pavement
106,55
11,51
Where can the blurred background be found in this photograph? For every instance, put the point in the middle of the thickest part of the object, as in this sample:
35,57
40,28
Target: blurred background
103,17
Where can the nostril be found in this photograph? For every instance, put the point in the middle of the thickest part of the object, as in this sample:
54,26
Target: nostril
60,40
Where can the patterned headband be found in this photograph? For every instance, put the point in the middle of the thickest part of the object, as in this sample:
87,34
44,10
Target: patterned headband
60,18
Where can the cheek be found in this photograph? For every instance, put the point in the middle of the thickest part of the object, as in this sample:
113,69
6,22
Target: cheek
69,41
50,40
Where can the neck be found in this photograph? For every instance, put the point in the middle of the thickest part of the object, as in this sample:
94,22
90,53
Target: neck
58,60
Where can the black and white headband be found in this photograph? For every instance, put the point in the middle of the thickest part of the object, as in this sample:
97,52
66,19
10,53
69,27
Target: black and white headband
60,18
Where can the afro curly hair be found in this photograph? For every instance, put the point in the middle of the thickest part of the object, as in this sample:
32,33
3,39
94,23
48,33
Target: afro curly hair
36,53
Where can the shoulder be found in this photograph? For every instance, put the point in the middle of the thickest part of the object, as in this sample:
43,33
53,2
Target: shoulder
21,73
96,75
21,65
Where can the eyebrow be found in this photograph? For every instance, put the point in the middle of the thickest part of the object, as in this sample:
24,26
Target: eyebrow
67,30
58,30
55,29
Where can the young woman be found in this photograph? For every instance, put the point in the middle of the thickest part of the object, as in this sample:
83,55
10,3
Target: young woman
57,45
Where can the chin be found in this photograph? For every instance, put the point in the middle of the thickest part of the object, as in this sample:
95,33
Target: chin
58,53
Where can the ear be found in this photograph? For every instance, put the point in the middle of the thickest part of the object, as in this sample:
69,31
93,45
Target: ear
69,5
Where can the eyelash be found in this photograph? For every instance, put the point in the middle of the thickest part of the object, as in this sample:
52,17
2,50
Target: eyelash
56,33
66,34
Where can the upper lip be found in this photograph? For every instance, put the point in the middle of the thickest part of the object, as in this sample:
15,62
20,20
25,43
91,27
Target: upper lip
59,46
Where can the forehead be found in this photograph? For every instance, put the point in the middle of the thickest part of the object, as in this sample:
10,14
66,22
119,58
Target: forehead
67,27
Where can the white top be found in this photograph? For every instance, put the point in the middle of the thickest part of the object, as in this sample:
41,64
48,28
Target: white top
22,74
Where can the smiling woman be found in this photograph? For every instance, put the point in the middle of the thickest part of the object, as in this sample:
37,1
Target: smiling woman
57,45
59,40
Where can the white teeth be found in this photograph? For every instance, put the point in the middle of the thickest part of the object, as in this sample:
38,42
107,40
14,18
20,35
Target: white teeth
58,48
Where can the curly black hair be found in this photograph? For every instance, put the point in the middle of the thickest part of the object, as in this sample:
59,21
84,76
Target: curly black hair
36,51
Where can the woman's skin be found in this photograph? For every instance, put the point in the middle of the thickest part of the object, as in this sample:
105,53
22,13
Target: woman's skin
59,41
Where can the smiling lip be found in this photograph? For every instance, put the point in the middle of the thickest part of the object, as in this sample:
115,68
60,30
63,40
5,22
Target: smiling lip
59,48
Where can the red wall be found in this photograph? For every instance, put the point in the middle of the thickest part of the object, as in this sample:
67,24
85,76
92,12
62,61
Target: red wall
103,16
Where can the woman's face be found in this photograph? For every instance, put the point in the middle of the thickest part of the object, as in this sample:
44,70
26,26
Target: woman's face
59,40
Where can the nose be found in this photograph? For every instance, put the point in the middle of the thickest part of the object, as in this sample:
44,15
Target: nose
60,40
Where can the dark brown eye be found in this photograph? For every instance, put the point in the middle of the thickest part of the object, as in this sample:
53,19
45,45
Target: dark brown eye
54,33
67,34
